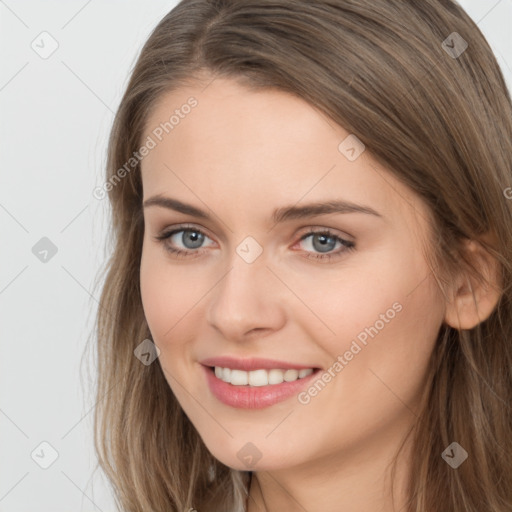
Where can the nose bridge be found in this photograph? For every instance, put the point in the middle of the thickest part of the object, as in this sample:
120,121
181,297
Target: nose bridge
244,299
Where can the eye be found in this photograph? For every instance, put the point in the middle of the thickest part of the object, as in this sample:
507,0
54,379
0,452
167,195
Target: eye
183,241
186,242
324,241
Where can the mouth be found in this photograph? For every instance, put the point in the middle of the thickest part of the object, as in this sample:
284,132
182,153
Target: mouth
260,377
259,387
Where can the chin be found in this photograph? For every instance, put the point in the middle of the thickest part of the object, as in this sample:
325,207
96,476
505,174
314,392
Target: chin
250,456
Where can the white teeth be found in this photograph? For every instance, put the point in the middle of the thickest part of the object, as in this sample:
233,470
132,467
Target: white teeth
260,377
257,377
291,375
226,375
238,378
275,376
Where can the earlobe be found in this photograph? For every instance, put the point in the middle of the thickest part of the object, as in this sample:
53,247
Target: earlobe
472,299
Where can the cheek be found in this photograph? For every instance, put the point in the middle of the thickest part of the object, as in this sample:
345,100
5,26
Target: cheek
164,293
374,289
383,358
386,337
394,276
168,299
383,321
174,298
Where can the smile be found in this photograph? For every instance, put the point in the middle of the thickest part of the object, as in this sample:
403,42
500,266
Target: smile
260,377
255,387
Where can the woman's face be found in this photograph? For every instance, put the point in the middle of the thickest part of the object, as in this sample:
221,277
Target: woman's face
299,251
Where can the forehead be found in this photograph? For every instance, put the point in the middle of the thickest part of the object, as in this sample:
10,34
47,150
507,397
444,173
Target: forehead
252,149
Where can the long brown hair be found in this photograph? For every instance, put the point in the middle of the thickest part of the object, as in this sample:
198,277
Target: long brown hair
438,115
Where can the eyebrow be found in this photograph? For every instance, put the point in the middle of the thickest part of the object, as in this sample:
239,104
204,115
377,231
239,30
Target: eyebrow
279,215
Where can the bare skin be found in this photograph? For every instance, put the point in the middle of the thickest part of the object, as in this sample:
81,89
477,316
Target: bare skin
239,155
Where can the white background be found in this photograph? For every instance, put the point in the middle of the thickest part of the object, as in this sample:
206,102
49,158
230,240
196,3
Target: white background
55,119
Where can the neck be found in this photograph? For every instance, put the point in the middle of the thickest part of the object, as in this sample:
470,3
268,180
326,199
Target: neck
357,479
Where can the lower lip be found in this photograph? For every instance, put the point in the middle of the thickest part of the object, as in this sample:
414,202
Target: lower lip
254,397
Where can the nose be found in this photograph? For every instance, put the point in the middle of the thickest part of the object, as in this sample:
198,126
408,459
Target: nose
247,300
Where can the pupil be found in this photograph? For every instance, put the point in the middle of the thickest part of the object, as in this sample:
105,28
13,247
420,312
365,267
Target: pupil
324,245
192,239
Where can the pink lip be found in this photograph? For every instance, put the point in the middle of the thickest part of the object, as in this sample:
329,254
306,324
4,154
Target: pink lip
257,397
251,364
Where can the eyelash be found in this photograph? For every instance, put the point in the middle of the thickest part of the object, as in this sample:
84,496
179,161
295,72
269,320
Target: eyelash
180,253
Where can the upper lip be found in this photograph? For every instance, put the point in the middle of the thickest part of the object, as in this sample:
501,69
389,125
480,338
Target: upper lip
253,363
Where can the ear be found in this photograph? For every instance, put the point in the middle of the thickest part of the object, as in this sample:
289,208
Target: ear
473,300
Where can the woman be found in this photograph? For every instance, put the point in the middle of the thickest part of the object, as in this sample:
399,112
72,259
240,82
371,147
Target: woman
308,305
